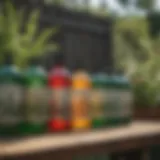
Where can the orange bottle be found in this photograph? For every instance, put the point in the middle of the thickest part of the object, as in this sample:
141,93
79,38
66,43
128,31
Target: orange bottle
81,85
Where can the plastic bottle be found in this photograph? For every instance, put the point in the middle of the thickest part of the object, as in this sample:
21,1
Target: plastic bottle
126,100
11,98
59,81
81,85
36,99
98,100
112,101
119,99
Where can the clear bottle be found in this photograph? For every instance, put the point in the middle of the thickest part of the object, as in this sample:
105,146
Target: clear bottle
36,99
11,98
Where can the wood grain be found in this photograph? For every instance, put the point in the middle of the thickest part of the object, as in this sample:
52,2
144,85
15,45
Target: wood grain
136,135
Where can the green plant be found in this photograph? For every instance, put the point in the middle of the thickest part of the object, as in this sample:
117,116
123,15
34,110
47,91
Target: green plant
84,6
55,2
23,39
142,4
138,55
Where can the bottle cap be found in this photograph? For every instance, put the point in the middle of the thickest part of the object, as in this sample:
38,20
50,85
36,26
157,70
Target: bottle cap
81,80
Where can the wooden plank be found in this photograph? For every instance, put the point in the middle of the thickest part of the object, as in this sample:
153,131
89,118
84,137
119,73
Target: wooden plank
138,133
147,114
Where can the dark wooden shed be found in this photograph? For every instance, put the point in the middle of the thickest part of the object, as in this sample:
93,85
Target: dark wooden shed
84,39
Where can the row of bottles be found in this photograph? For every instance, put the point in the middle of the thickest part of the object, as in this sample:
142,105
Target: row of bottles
114,94
33,101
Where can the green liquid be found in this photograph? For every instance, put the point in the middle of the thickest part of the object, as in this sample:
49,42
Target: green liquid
98,123
11,80
35,79
31,128
98,101
113,122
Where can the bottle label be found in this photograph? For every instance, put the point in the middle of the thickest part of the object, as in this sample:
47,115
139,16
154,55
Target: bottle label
11,99
118,103
37,104
126,103
98,103
112,104
60,103
80,105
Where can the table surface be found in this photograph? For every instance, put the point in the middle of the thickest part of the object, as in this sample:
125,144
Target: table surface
70,140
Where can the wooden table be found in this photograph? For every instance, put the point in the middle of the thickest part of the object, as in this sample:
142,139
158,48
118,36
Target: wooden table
134,139
147,113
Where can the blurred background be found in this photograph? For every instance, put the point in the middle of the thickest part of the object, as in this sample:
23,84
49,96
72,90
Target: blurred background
100,35
112,36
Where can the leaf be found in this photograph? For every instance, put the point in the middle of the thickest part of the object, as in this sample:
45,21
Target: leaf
27,43
139,56
41,41
32,26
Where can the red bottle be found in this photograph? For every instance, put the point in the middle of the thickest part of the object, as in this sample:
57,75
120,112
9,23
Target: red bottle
59,80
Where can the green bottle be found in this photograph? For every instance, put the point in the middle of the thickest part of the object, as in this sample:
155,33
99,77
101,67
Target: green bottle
119,100
11,98
112,101
98,101
126,100
36,100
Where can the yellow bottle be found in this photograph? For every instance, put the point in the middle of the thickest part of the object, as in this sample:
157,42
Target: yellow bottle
81,85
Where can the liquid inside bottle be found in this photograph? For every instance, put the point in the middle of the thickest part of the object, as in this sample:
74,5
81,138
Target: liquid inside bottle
59,80
37,97
98,101
80,100
11,98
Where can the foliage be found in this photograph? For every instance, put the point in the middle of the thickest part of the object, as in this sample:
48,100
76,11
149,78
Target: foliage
84,6
56,2
143,4
154,23
139,56
23,39
124,2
